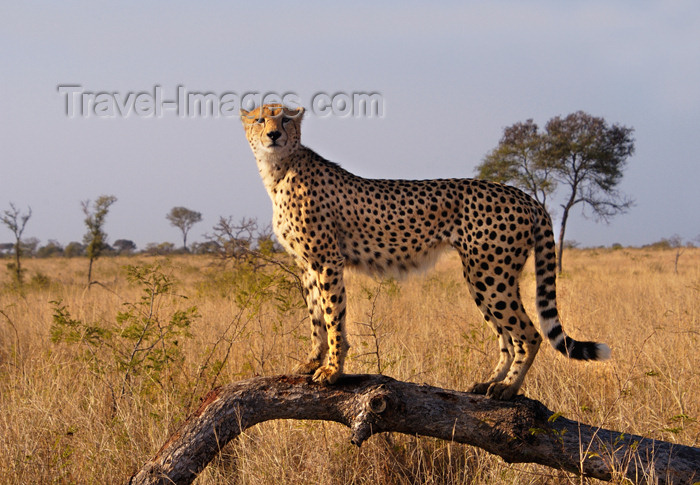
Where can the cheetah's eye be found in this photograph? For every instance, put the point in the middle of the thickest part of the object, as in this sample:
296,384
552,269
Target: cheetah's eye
260,120
285,120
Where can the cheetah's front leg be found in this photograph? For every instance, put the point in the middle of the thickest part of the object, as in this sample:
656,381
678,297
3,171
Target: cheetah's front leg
332,300
319,338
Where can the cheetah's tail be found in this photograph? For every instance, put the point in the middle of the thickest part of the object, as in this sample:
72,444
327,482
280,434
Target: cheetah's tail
545,270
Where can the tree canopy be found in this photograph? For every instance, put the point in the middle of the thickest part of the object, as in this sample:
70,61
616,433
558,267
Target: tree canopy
519,160
183,218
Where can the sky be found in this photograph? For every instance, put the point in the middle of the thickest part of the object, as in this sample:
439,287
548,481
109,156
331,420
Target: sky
450,76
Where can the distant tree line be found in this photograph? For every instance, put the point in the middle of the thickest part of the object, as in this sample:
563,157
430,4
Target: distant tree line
31,248
95,240
228,240
124,247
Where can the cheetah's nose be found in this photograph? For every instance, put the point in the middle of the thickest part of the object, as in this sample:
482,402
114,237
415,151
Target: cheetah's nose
274,135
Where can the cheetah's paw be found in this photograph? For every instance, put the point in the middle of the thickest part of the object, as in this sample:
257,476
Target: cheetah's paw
501,391
326,375
480,387
306,367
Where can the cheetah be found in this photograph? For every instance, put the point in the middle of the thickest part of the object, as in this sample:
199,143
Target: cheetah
328,219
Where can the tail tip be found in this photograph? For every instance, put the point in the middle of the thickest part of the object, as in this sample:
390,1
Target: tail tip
602,352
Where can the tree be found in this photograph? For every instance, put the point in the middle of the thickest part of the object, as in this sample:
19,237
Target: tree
233,240
52,248
30,246
159,248
74,249
580,153
206,247
518,160
183,218
124,246
6,248
588,158
16,222
96,239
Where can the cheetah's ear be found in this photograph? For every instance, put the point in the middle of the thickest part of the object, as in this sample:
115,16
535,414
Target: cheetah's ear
244,114
297,114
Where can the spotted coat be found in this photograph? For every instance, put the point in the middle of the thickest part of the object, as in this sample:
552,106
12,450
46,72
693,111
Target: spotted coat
330,219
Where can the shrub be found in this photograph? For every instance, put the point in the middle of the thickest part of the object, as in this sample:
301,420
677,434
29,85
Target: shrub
142,345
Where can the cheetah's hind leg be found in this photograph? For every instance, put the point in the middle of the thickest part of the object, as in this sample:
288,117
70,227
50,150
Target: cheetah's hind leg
506,359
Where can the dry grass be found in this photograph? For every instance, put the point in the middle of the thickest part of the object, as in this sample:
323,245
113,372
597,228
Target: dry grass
60,422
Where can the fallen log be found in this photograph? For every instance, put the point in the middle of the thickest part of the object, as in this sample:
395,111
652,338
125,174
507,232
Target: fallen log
522,430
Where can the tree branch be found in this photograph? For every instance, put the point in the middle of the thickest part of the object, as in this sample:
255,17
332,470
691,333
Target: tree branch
522,430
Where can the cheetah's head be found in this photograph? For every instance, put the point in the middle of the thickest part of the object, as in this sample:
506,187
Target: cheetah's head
273,130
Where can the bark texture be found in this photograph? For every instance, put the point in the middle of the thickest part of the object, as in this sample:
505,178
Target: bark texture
521,430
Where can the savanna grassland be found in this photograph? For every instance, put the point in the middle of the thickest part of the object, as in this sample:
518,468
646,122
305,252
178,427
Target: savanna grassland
93,381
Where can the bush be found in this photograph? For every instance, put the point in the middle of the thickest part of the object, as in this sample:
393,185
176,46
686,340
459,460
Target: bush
40,280
142,345
74,249
53,248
